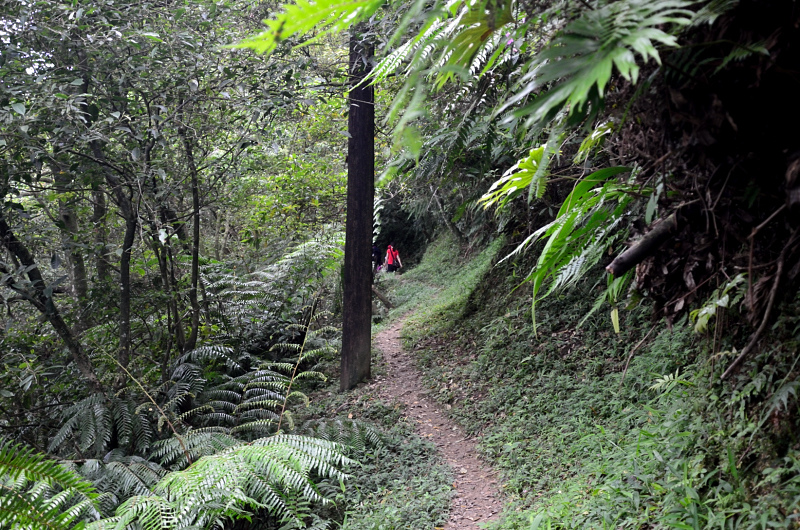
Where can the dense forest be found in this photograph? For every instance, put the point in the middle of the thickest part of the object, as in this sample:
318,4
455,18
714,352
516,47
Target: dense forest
596,205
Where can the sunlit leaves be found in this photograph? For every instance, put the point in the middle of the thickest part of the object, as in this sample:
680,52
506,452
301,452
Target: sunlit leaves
581,231
300,18
272,474
36,492
579,62
517,179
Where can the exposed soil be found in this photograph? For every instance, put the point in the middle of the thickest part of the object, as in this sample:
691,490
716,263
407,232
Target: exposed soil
476,499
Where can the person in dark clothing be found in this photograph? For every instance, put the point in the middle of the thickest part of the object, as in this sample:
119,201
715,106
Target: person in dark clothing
377,258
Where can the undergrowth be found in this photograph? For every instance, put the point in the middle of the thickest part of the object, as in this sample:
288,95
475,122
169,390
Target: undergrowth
668,446
400,483
403,485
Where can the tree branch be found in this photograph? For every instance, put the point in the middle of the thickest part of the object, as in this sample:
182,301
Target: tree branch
773,292
644,247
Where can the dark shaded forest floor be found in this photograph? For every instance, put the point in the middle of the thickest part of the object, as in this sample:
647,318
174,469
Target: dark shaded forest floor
476,496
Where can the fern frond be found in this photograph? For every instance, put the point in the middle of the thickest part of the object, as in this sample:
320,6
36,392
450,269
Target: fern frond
710,12
579,234
270,473
258,414
357,437
36,492
580,60
19,461
214,353
327,16
265,404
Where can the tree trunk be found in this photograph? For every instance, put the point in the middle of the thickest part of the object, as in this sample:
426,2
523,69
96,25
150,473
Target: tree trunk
131,222
42,298
448,222
357,313
187,144
100,235
69,233
382,297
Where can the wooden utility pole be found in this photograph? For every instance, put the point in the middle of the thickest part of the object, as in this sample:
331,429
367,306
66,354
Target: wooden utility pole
357,312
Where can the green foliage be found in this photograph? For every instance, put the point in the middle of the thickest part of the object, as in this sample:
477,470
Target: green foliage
261,306
727,296
582,230
581,58
213,417
36,492
593,141
615,287
271,474
300,18
668,382
522,175
457,279
400,484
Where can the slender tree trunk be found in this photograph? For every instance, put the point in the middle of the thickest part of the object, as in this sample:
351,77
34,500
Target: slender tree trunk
42,298
192,340
69,233
124,355
180,334
447,221
357,312
225,234
100,235
131,222
206,305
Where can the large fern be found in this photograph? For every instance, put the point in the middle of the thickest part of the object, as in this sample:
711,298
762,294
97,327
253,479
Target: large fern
580,61
582,230
39,493
271,474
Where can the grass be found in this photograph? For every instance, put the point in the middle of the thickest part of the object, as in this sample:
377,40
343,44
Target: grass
404,484
399,483
668,447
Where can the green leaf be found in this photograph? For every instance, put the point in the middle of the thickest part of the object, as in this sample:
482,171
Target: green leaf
582,57
19,108
298,19
152,36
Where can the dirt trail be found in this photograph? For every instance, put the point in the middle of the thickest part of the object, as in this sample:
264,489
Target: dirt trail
477,498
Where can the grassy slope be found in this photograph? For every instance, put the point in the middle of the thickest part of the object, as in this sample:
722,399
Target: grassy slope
668,447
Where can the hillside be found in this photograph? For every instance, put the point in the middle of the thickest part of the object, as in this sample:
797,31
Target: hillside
593,429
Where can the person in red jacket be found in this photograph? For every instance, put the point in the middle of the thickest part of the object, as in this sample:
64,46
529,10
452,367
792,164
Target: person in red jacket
392,259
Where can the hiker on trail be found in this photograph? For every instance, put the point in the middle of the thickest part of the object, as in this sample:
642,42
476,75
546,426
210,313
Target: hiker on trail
377,258
392,259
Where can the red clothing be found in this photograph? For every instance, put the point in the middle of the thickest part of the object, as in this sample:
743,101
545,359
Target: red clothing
391,255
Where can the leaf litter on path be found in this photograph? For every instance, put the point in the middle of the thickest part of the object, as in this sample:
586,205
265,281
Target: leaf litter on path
476,498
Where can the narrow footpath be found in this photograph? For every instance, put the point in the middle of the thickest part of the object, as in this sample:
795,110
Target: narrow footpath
476,499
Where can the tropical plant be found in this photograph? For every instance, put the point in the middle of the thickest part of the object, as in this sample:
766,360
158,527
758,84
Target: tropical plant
584,227
36,492
271,474
580,60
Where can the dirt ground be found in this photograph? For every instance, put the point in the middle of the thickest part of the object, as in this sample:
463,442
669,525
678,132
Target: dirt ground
477,498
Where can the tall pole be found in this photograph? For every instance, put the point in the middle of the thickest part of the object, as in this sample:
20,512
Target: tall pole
357,312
